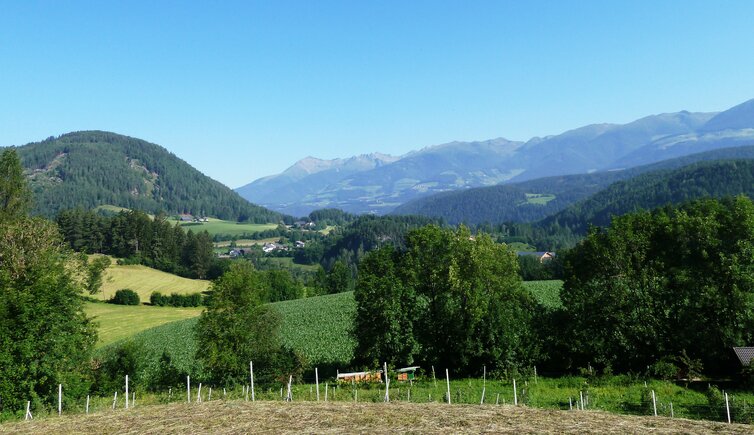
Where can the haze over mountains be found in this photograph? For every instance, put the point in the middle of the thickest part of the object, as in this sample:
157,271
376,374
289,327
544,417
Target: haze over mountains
377,183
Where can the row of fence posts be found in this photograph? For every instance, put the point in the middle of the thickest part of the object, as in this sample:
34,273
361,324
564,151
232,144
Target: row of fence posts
581,404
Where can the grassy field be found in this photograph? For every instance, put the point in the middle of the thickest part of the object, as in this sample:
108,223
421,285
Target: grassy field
117,322
245,243
539,198
317,327
217,226
144,280
224,417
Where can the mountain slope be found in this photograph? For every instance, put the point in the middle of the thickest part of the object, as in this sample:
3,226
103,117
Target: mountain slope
307,177
91,168
516,202
733,127
717,179
460,165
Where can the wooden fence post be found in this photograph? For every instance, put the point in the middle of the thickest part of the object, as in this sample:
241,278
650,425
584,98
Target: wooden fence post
484,383
515,394
126,391
60,399
251,370
316,380
188,389
447,378
654,403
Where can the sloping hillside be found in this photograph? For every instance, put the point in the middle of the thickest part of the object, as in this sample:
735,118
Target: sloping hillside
92,168
655,189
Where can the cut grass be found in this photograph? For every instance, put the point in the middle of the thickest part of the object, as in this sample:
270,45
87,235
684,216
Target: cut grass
225,417
117,322
144,280
217,226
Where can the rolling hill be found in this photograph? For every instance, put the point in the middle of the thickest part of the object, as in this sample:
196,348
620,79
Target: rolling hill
93,168
379,186
515,202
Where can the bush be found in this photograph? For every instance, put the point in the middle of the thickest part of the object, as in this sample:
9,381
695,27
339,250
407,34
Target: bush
176,300
664,369
125,297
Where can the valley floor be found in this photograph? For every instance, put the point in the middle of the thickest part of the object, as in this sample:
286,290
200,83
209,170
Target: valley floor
225,417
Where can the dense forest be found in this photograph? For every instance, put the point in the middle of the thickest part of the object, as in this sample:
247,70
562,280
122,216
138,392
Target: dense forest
92,168
546,196
138,239
714,179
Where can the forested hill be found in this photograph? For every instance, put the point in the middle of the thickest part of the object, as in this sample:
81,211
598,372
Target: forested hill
656,189
91,168
533,200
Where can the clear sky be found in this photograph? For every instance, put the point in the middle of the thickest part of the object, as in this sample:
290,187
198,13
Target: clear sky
244,89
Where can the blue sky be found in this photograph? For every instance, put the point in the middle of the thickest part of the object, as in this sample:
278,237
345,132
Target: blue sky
244,89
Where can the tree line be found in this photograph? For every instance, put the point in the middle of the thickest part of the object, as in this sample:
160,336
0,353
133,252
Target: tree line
140,239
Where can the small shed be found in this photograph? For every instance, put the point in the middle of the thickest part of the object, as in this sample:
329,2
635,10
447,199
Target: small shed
407,373
745,355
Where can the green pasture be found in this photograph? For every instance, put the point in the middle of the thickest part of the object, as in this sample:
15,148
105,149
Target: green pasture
539,198
144,280
217,226
117,322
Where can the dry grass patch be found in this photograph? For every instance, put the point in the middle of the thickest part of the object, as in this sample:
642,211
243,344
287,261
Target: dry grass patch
144,280
220,417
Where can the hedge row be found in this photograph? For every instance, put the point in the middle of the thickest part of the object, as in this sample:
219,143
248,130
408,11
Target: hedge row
176,300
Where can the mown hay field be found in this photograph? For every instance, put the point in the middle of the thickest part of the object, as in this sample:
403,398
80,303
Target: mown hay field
227,228
117,322
145,280
226,417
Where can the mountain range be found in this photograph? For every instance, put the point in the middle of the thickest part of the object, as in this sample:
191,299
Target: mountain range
378,183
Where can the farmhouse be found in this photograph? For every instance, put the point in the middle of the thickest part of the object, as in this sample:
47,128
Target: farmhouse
542,256
185,218
745,355
270,247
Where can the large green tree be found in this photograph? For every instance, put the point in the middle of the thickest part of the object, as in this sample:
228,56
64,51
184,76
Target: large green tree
15,196
45,337
236,329
654,285
448,299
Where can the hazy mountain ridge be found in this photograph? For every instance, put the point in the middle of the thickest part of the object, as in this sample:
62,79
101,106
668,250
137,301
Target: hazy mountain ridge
459,165
510,203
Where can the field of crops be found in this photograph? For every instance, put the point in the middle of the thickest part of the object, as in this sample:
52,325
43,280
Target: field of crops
117,322
546,293
319,327
144,280
217,226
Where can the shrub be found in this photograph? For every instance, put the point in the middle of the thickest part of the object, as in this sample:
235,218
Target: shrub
125,297
664,369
